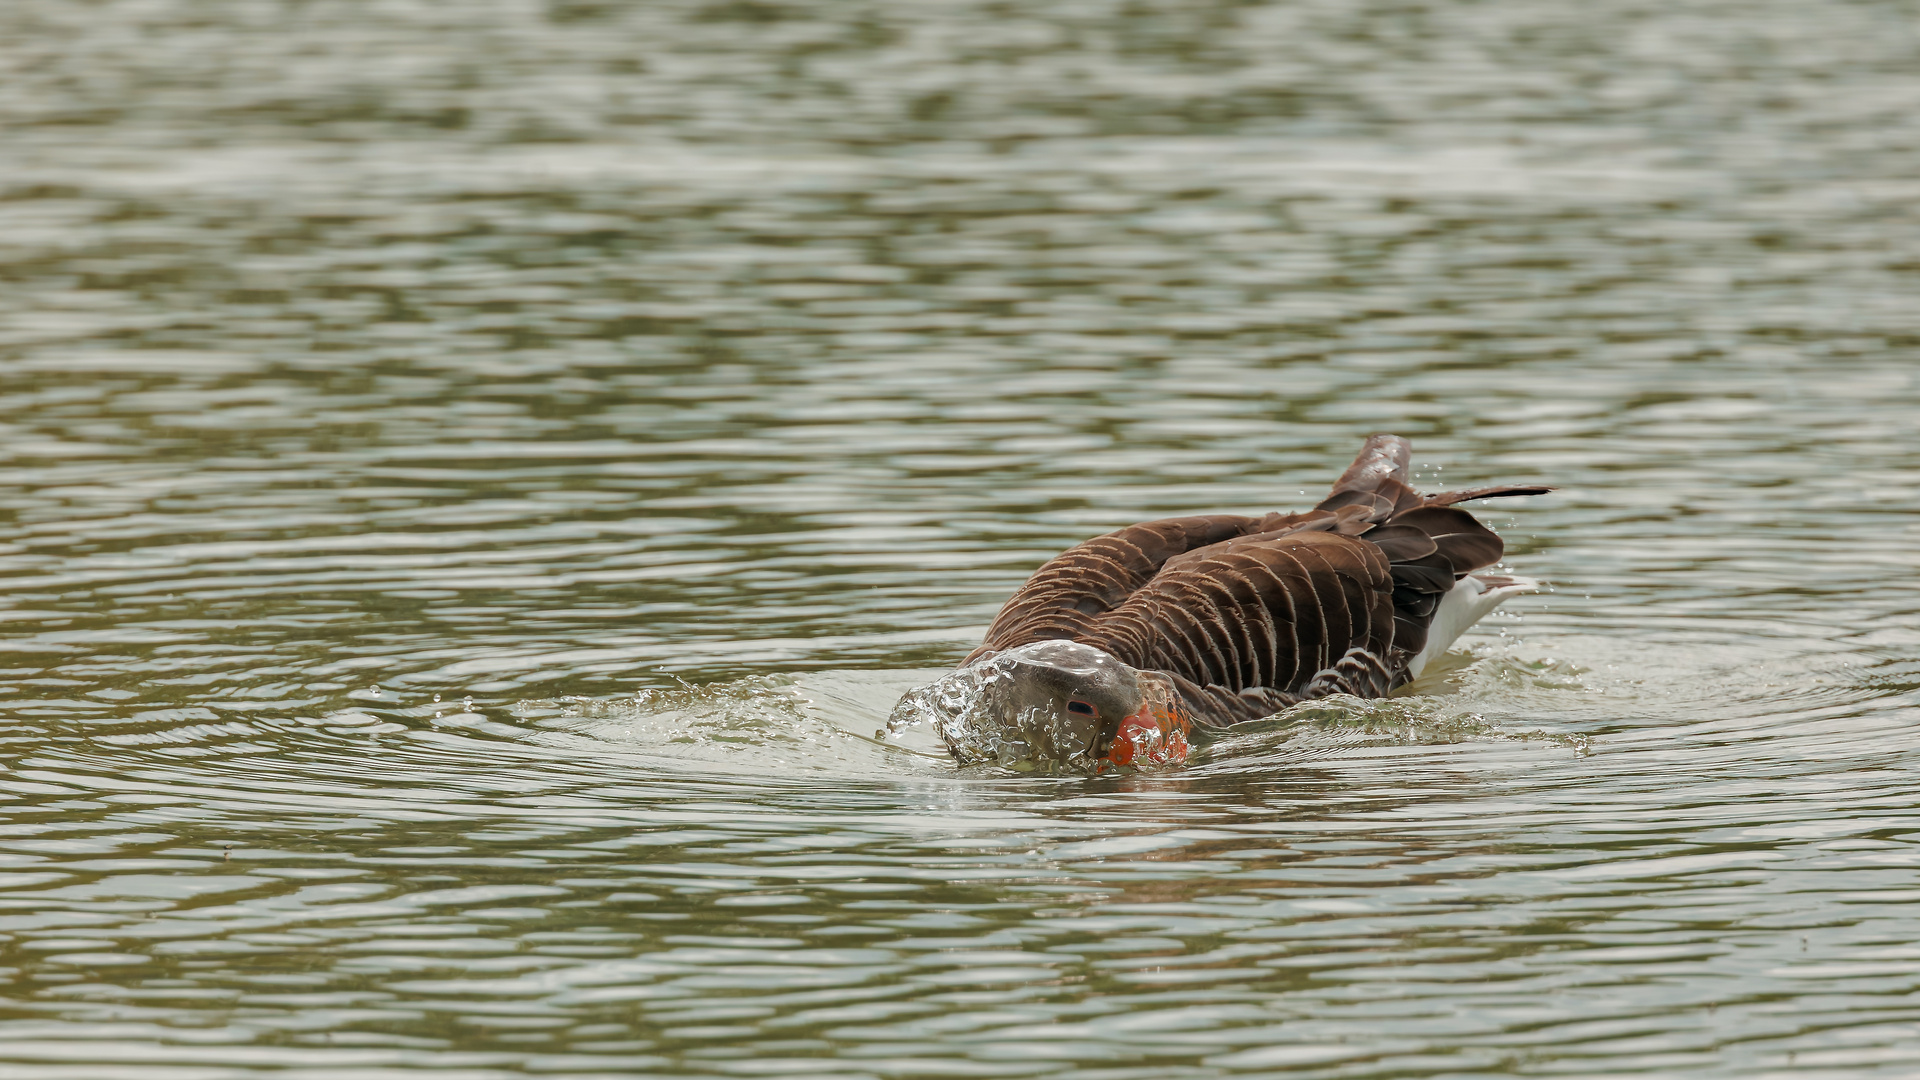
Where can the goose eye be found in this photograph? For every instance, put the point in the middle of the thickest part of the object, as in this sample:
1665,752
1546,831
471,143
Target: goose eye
1080,707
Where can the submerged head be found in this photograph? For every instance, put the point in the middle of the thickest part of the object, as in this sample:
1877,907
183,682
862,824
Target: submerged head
1052,703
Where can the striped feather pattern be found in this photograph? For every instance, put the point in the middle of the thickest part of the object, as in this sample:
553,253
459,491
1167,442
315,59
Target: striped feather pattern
1249,615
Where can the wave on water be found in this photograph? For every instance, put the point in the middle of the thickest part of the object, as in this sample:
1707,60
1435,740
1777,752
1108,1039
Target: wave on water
818,722
856,722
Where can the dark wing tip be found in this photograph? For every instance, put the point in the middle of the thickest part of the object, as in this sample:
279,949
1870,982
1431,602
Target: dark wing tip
1448,498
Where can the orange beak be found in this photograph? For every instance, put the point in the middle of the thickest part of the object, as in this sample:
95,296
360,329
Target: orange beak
1152,736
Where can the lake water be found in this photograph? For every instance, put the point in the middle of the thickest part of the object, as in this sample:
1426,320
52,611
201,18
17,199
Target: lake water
473,478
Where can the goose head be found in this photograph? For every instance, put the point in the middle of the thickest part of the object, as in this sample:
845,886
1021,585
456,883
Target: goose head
1050,704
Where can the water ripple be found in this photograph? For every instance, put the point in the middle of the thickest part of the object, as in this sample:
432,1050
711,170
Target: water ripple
471,484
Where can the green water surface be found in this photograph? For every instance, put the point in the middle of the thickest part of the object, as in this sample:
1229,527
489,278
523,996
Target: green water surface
473,477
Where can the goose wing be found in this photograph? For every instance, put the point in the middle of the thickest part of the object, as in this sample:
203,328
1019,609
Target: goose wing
1256,625
1092,578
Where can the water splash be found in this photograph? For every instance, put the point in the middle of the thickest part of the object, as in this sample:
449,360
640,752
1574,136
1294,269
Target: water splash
969,711
759,726
978,714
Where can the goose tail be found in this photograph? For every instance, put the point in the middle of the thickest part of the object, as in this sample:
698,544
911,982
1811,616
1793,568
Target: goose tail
1469,601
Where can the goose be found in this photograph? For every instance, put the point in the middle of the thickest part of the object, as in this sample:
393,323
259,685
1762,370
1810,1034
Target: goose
1115,649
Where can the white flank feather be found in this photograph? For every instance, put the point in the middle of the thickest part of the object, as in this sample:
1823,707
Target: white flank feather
1468,602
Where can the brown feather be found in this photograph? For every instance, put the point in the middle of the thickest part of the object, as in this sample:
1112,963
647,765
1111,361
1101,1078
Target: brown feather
1465,543
1402,543
1384,457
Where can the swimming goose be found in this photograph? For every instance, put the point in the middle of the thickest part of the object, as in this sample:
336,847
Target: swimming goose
1117,646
